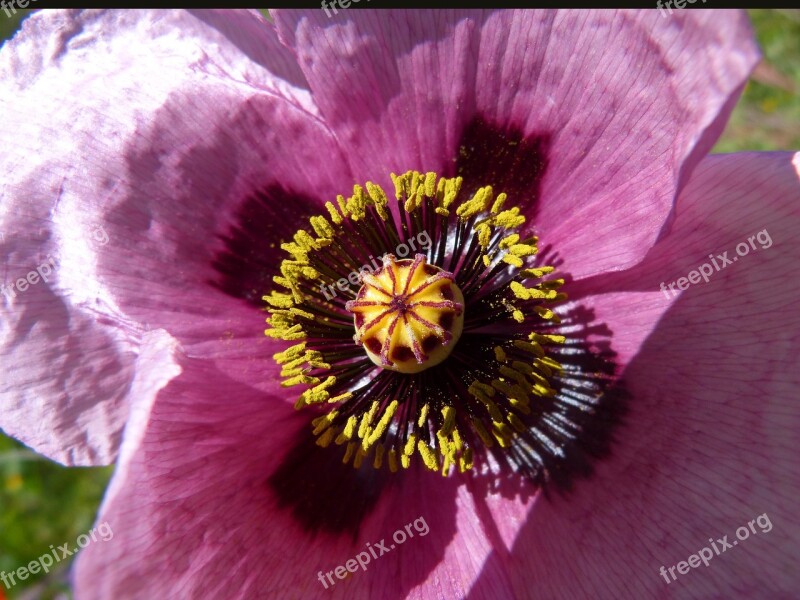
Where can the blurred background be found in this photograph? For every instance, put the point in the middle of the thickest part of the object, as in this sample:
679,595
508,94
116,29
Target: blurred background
42,503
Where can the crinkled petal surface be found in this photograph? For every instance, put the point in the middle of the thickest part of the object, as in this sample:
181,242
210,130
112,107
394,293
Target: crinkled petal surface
137,139
193,515
594,119
609,133
710,440
707,447
138,189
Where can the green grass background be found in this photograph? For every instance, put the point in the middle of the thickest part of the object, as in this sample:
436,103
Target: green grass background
42,503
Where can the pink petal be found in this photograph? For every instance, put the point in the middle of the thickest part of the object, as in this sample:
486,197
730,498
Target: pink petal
615,108
65,383
710,440
192,508
138,137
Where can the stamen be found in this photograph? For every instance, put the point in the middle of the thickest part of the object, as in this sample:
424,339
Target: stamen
413,385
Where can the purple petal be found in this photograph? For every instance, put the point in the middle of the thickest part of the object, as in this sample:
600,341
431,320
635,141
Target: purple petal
138,138
191,506
710,441
599,115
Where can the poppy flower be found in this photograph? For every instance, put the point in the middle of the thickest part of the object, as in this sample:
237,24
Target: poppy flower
457,225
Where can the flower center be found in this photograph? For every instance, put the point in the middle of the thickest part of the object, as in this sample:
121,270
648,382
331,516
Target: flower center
408,315
454,348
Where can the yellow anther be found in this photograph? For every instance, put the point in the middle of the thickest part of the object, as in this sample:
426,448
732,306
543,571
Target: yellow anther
523,293
322,227
553,364
482,433
509,241
292,333
516,423
326,438
299,313
291,365
380,428
502,433
399,185
305,241
379,200
552,284
477,390
300,380
479,203
547,314
498,203
532,347
465,461
343,205
430,184
429,456
484,234
509,390
340,398
360,456
411,443
523,250
393,466
447,462
349,430
336,216
323,422
541,390
537,272
379,452
510,219
449,416
512,374
548,338
318,393
278,300
290,354
367,419
351,450
451,191
458,443
520,405
423,415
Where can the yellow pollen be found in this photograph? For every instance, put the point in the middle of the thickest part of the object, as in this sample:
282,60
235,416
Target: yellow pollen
408,315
